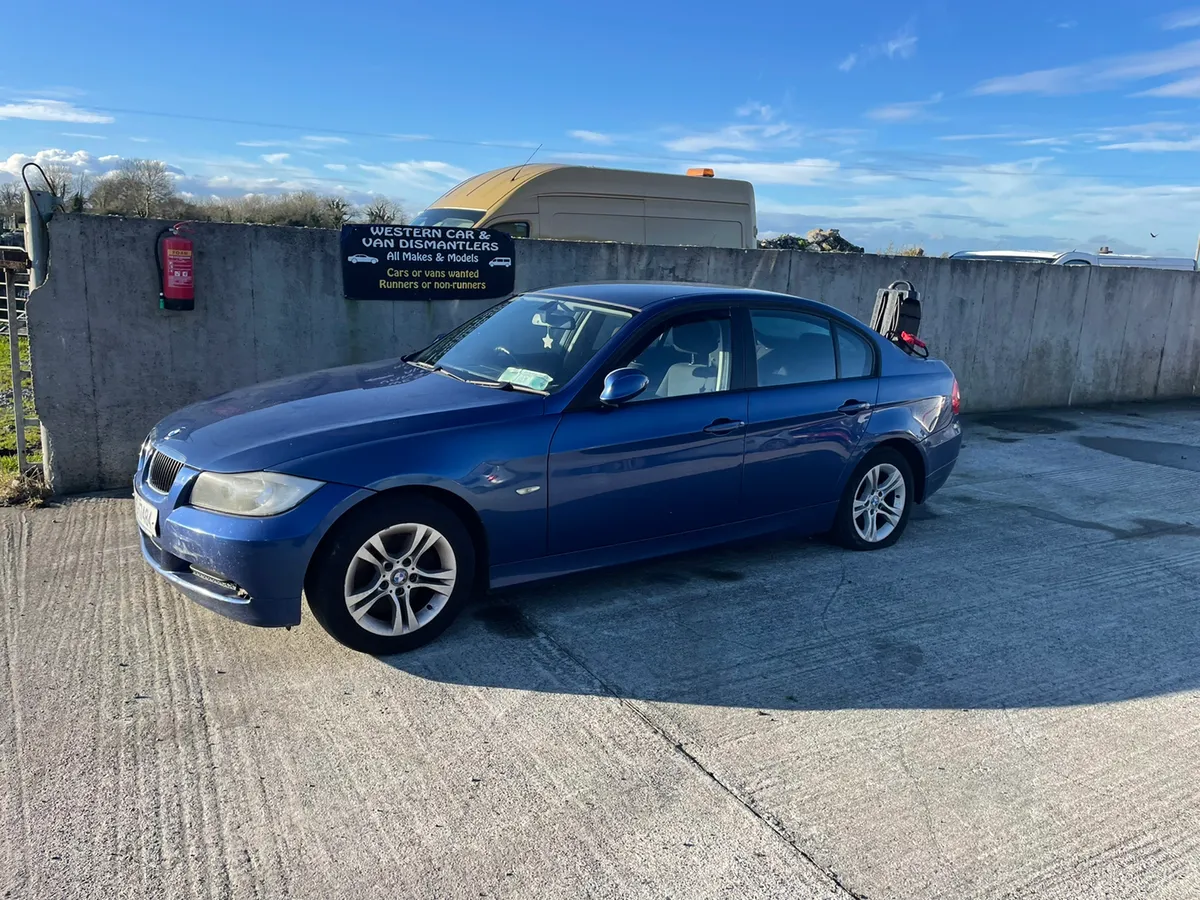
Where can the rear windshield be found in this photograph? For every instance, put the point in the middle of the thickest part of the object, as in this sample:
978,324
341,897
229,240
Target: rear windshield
449,218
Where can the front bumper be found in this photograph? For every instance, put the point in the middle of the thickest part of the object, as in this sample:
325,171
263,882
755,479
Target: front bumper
247,569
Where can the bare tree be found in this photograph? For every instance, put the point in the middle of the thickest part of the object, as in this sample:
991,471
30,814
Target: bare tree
383,211
139,187
153,185
12,203
58,177
338,210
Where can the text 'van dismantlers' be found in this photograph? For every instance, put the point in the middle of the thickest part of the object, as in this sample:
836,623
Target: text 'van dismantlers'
407,244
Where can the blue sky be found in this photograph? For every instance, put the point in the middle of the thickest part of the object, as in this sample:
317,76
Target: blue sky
951,125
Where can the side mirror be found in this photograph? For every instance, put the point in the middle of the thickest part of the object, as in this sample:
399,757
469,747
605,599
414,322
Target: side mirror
622,385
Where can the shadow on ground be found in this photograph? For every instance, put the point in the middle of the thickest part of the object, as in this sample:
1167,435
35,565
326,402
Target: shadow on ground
1060,566
794,624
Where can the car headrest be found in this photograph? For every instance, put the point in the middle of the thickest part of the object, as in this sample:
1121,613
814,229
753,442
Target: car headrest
696,337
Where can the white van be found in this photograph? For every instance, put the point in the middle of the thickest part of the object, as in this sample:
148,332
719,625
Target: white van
1079,258
583,203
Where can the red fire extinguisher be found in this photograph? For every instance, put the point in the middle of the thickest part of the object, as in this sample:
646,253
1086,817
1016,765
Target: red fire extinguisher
175,269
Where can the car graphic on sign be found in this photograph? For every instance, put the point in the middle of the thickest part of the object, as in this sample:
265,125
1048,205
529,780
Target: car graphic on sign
501,261
360,258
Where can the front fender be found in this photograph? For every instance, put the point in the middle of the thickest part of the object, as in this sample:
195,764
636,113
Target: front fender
485,466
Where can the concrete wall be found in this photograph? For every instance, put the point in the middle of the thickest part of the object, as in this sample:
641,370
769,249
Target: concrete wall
108,363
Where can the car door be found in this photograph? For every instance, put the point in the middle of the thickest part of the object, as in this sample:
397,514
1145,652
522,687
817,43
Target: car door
667,462
815,383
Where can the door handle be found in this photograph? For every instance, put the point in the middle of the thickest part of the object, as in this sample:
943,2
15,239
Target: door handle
724,426
853,407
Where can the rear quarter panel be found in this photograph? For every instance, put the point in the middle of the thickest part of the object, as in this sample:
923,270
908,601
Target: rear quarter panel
914,405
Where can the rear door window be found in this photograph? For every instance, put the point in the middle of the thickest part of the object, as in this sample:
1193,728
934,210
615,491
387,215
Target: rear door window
792,348
856,358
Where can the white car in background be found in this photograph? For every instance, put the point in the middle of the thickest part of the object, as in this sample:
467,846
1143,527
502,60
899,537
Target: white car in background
1080,258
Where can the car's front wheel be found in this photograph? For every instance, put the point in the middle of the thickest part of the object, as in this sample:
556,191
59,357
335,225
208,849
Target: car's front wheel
393,575
876,504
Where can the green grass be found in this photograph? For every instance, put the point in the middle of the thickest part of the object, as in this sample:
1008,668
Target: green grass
8,430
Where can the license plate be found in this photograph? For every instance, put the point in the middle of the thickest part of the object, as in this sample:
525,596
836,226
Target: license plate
146,514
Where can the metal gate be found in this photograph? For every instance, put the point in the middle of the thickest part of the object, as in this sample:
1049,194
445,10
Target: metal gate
14,324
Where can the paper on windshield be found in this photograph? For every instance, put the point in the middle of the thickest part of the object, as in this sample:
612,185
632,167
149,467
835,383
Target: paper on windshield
526,378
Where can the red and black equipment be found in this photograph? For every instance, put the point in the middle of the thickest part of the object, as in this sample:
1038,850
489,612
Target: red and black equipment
897,316
176,269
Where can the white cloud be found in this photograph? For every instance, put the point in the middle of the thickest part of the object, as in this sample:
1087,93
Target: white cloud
1186,87
51,111
903,45
590,157
737,137
1156,146
1185,18
757,109
335,167
1104,74
308,143
590,137
1043,142
76,134
1143,130
903,112
419,175
796,172
1016,205
79,161
993,136
234,184
1043,81
141,140
274,159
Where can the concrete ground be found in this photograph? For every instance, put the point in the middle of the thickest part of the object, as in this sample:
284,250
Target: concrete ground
1006,704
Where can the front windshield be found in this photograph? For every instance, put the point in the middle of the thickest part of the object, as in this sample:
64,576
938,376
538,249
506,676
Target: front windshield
533,342
448,218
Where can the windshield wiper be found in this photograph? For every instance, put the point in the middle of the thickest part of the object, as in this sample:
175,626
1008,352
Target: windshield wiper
507,386
511,386
500,385
442,370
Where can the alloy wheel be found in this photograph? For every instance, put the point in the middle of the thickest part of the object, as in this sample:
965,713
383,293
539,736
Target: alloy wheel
879,503
400,579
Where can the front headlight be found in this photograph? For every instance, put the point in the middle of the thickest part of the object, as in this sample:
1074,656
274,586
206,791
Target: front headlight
250,493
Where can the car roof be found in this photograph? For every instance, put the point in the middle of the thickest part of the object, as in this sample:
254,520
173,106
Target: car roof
645,295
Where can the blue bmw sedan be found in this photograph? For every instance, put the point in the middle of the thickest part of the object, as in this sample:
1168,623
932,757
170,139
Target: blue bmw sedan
562,430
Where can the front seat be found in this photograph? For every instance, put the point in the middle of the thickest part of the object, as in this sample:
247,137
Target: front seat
701,340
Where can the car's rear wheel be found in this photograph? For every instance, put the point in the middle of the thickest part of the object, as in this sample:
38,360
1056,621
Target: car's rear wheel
393,575
876,504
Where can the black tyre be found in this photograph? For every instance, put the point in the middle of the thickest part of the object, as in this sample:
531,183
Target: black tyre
877,502
393,575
